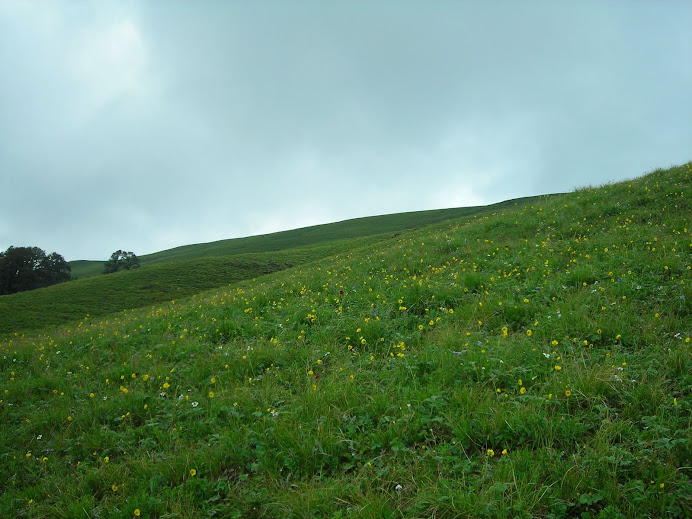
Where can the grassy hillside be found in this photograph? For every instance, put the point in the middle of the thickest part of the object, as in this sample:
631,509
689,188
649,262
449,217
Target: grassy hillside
103,295
191,269
534,363
306,236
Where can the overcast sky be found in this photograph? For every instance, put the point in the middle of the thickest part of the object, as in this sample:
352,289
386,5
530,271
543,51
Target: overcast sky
145,125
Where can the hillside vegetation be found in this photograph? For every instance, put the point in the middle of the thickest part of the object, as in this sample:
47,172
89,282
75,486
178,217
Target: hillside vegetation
103,295
191,269
532,363
306,236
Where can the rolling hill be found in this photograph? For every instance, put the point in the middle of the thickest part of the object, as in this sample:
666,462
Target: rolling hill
187,270
530,362
306,236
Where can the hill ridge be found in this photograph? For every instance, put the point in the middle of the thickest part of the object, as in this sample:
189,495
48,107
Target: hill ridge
309,235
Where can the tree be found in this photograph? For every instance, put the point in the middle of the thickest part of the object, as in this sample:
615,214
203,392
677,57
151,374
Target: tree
121,260
27,268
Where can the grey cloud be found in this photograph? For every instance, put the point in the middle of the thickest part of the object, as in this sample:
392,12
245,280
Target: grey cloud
148,125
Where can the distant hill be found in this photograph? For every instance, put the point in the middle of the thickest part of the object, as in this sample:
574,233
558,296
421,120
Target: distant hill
191,269
305,236
98,296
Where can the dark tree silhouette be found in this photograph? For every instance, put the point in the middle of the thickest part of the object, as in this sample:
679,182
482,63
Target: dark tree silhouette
27,268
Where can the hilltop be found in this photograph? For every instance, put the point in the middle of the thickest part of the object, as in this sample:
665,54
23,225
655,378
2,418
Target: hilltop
306,236
191,269
534,362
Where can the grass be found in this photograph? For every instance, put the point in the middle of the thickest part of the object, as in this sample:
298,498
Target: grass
531,363
306,236
103,295
188,270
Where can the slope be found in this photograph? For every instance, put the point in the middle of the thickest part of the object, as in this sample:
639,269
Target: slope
306,236
99,296
191,269
534,363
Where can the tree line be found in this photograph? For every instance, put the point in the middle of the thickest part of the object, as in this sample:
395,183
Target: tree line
28,268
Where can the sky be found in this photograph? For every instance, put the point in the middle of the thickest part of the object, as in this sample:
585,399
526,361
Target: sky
146,125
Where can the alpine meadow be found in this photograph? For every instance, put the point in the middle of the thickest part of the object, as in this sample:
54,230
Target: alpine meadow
530,361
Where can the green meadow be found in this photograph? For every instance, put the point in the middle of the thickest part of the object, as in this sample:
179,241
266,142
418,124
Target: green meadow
188,270
529,361
305,237
98,296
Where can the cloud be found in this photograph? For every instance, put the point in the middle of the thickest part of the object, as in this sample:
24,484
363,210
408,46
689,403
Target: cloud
108,63
145,126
